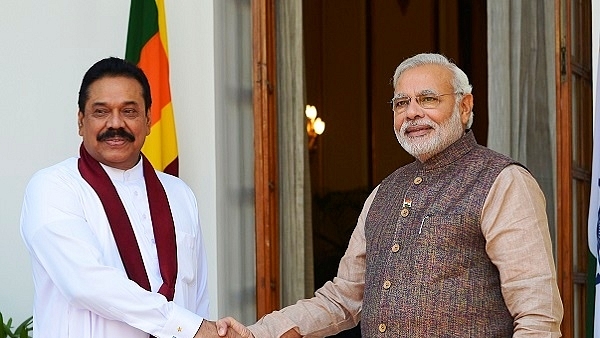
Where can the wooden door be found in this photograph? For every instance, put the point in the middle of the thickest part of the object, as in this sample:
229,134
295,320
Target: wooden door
574,158
265,157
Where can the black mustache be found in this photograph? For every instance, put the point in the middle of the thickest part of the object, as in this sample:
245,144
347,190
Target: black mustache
111,132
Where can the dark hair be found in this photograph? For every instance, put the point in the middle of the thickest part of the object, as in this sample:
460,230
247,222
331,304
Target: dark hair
113,66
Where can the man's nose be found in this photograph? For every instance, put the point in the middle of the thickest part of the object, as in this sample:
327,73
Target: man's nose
115,120
414,110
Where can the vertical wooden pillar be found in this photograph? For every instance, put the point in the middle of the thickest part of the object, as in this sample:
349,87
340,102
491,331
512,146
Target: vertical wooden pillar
564,160
265,154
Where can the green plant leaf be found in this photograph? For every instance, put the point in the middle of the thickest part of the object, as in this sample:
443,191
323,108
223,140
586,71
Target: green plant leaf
22,331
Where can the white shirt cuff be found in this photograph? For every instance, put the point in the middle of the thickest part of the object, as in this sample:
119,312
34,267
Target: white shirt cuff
182,324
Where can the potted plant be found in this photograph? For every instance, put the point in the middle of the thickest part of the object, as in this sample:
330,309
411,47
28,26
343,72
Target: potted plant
21,331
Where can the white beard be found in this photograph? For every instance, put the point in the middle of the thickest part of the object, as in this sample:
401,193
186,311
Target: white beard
443,135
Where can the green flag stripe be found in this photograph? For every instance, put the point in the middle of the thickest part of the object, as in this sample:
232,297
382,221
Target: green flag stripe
143,24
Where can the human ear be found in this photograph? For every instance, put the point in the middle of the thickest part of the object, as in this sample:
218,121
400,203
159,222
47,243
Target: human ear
466,107
80,123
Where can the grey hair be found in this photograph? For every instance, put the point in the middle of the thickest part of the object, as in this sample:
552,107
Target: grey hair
460,81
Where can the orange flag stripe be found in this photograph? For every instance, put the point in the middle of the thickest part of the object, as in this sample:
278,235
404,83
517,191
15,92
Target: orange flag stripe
154,62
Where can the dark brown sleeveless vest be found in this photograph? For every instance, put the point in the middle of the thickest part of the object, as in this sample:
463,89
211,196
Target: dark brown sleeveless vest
428,274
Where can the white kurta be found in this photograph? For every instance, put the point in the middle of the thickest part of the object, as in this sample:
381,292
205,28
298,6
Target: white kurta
81,288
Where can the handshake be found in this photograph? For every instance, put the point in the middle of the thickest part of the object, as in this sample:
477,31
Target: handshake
231,328
225,327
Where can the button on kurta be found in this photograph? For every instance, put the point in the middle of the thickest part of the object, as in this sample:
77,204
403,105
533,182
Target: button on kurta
395,247
382,327
417,180
387,284
404,212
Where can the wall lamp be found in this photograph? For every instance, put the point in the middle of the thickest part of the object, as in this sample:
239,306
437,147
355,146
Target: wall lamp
314,126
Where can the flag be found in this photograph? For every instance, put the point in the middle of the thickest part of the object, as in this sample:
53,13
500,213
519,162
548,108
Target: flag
593,216
147,47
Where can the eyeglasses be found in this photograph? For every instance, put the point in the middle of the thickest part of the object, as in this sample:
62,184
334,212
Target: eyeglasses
426,101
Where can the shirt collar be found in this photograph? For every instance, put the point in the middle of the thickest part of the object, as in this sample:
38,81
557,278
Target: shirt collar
118,175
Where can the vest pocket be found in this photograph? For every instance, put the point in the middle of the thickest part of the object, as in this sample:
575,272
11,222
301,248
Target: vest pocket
449,245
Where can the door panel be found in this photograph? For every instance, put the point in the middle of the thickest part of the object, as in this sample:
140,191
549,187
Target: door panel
574,138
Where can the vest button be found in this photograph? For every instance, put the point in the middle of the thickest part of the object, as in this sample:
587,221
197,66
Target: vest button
404,212
395,247
382,327
417,180
387,284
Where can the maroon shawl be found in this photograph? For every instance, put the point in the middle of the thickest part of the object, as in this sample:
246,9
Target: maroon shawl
120,225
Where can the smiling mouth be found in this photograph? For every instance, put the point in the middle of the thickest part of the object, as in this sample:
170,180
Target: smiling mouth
116,141
415,131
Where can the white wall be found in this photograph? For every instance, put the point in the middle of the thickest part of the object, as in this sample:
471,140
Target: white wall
46,48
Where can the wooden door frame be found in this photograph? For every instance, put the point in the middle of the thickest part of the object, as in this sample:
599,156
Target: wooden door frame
573,172
564,231
265,157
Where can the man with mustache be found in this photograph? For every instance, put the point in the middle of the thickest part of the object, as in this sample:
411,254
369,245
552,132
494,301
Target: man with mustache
455,244
116,246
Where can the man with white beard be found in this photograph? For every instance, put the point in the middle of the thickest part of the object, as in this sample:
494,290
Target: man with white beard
455,244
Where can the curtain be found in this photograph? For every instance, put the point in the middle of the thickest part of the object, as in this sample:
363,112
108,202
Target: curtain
295,195
521,88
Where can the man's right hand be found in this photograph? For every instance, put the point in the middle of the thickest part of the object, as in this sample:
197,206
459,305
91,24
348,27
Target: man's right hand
224,324
208,329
